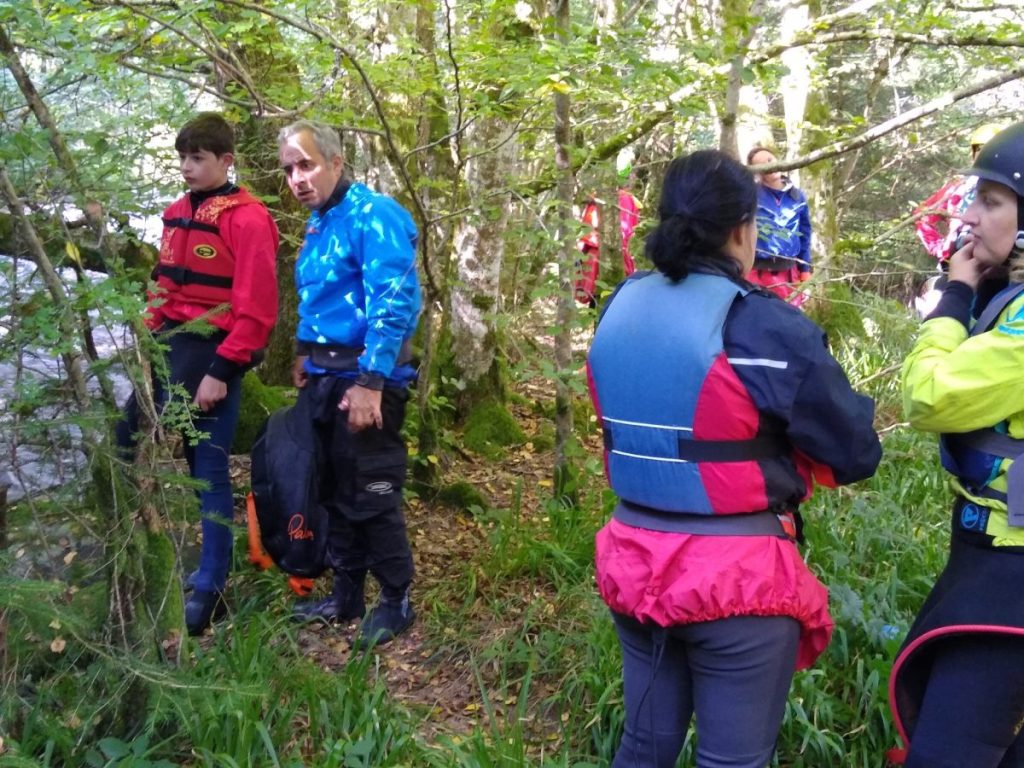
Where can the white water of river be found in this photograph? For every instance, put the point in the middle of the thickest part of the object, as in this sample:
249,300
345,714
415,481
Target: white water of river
40,448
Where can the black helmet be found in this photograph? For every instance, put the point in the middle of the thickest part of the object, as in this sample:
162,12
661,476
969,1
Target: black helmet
1002,159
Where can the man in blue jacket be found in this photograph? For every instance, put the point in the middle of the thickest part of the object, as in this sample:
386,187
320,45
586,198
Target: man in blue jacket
359,300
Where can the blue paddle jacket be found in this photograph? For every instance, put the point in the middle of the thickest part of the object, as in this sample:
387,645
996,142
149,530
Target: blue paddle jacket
356,278
783,229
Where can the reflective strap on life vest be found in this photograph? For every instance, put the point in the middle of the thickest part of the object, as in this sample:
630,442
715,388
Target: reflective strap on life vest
184,223
184,276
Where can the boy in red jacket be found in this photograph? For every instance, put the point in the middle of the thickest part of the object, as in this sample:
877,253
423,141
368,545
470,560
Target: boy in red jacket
217,265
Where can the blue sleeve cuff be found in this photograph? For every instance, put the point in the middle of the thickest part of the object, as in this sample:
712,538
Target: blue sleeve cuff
956,301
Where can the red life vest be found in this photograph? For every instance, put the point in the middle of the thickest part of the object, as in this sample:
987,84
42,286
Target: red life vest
196,265
589,245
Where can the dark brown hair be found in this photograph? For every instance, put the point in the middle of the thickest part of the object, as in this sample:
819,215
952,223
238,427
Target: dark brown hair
206,131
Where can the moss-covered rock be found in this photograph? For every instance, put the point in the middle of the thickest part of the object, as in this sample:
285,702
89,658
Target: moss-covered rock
258,402
462,496
490,429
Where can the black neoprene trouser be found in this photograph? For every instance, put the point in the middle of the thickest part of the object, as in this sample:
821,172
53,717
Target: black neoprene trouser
361,479
973,705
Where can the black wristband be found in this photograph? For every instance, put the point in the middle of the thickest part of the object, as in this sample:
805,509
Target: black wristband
370,381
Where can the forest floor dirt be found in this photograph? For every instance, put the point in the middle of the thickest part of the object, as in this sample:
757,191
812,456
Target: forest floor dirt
431,670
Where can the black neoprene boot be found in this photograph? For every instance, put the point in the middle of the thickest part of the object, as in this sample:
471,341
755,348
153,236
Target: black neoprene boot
202,608
386,621
346,601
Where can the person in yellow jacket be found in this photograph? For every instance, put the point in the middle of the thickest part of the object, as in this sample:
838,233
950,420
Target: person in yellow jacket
957,687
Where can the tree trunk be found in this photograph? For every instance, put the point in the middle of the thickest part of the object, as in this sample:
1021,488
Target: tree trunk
435,173
138,552
796,83
479,254
819,184
737,32
267,61
142,555
564,481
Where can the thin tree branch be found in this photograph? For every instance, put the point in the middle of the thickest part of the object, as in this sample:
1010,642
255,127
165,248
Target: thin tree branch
841,147
389,140
248,106
214,55
459,108
933,39
74,360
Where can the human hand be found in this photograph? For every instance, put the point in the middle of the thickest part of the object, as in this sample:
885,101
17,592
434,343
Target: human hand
211,391
363,406
964,268
299,373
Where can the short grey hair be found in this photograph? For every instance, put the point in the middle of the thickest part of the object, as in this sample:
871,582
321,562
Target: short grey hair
325,137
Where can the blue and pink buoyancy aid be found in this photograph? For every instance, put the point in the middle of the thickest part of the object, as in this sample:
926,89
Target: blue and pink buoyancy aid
717,430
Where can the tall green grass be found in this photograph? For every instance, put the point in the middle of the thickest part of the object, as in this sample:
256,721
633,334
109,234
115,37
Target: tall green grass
521,617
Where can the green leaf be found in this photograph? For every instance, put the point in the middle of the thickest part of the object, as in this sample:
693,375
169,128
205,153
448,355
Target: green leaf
114,749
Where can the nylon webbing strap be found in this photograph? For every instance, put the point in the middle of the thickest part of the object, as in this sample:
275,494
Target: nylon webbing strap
751,524
998,303
990,441
191,224
766,446
183,276
1006,447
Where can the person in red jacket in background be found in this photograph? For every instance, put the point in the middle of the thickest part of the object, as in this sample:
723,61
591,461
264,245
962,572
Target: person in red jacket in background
589,243
940,222
216,267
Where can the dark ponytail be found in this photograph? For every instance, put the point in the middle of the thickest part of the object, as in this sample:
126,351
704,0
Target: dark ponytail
704,197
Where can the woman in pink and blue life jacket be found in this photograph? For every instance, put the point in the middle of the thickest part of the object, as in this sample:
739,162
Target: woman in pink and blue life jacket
957,686
721,407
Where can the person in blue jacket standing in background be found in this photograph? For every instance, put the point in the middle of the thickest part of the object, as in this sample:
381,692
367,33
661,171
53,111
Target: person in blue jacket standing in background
782,260
359,301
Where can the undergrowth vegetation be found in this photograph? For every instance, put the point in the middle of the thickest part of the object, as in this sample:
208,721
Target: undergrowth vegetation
519,614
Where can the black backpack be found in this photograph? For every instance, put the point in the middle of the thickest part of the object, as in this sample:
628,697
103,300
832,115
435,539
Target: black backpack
285,484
